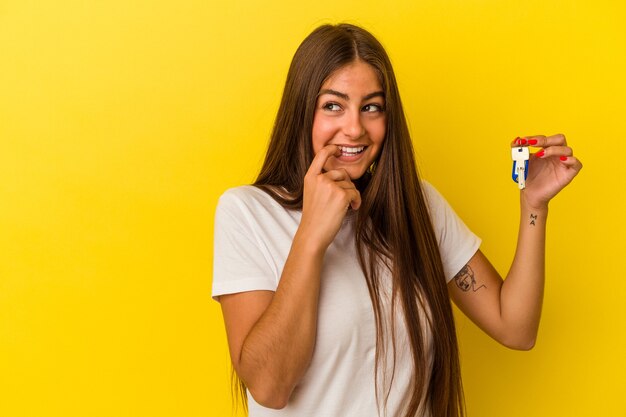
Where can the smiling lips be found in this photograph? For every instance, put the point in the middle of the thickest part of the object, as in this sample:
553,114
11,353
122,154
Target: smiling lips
351,151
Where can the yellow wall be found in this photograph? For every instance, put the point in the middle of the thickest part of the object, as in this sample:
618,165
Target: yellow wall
121,122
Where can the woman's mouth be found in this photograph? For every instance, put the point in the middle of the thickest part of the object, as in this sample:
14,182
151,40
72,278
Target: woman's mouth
351,151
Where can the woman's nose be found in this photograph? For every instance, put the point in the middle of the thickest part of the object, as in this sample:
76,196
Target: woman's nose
353,127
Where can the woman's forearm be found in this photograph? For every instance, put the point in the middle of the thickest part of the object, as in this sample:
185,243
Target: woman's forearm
522,290
278,349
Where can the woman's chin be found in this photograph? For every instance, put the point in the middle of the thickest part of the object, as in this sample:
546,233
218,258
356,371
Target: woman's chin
354,171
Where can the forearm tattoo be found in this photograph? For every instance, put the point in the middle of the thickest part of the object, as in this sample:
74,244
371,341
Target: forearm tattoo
533,217
466,281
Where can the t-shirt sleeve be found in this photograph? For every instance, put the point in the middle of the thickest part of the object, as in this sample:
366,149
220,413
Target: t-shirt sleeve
457,243
240,262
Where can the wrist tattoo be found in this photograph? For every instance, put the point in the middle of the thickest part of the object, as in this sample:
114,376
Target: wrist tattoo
533,217
466,281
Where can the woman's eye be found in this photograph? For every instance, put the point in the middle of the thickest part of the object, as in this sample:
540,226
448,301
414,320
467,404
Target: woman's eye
372,108
332,107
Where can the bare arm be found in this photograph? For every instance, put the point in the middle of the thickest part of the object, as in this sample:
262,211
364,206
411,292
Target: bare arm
271,336
509,310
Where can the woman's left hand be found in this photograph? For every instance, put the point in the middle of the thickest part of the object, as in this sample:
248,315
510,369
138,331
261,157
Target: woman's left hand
550,169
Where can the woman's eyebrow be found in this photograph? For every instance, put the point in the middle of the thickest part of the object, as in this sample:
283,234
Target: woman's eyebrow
374,94
334,93
347,98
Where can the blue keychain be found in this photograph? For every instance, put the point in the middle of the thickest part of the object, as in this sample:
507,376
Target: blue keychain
520,157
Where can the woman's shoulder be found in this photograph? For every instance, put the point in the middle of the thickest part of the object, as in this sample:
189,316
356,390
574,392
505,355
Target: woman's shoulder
432,196
248,198
438,207
244,195
241,192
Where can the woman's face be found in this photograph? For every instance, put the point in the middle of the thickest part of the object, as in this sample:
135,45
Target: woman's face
350,113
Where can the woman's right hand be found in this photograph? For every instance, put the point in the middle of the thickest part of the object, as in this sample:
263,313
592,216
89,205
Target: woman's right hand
327,197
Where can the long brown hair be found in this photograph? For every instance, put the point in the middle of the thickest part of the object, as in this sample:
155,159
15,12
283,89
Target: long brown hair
393,225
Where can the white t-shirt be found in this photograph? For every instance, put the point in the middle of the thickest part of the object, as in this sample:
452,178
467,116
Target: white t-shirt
253,235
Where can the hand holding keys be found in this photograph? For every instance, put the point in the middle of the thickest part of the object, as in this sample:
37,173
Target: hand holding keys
520,157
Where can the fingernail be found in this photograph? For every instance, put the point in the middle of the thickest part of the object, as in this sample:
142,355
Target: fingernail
517,140
540,153
524,141
532,141
563,158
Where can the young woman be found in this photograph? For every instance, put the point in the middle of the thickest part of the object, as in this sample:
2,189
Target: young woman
335,270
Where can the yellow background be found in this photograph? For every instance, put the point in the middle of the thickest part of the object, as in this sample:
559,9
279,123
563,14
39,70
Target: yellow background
121,122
